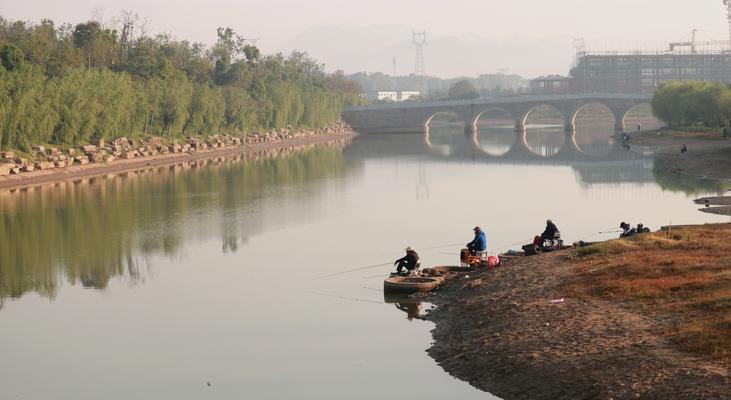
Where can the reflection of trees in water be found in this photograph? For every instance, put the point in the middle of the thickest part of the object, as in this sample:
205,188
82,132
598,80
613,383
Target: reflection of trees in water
674,182
92,230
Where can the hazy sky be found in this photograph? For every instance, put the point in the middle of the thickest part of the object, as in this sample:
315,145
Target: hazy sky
275,22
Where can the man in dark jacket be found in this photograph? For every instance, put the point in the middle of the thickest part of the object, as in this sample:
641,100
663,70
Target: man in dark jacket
479,243
550,231
410,261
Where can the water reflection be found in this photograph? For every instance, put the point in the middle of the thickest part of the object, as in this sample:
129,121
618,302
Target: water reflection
412,307
545,140
92,230
674,182
88,231
251,321
496,140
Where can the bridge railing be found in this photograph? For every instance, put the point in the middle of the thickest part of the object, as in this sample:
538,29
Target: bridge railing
503,100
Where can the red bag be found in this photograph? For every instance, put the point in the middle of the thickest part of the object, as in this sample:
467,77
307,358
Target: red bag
537,241
493,261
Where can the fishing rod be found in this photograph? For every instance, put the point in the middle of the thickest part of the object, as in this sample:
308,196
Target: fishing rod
530,240
442,246
351,270
377,265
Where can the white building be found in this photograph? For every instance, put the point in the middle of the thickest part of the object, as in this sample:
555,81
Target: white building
391,95
408,94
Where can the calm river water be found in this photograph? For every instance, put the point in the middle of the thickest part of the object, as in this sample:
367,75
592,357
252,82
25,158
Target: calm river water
197,282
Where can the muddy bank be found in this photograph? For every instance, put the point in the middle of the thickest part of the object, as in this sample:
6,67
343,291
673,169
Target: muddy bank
153,159
708,155
519,333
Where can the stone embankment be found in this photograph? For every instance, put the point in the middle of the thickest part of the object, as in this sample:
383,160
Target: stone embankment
48,164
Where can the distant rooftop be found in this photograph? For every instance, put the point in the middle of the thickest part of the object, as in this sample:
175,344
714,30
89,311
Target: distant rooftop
551,78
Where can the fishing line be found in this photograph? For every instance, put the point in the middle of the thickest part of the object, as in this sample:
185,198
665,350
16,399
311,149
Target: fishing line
515,244
350,270
332,296
373,276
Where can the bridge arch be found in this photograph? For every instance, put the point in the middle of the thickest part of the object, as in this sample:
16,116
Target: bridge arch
632,115
494,140
476,118
593,125
522,120
592,103
444,140
434,114
544,141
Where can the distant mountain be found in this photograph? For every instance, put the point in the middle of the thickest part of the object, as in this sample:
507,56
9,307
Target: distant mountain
372,49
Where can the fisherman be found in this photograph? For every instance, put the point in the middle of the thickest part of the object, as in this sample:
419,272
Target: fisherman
478,245
627,230
550,232
641,228
410,261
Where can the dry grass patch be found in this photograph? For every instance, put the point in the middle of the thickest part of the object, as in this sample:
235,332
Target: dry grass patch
682,276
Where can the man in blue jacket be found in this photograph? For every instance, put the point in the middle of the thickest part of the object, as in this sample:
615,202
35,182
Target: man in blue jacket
479,243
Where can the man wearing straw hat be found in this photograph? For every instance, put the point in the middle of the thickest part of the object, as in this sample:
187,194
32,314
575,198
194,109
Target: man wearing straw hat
410,261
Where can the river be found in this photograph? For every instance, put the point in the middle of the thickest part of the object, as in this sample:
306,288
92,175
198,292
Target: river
211,280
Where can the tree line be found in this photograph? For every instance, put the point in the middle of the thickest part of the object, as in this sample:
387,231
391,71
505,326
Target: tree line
691,103
433,88
72,84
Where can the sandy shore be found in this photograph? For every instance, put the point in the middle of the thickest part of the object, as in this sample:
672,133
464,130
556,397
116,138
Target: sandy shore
120,166
501,332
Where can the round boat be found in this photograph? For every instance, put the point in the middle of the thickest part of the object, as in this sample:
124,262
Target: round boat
409,285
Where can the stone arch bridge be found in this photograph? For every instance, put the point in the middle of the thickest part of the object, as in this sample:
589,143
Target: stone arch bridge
415,117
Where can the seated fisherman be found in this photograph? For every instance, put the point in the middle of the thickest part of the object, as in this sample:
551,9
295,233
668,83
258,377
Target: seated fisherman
550,232
641,228
627,230
478,245
410,261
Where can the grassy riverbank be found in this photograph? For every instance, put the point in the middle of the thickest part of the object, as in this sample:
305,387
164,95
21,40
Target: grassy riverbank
682,274
646,317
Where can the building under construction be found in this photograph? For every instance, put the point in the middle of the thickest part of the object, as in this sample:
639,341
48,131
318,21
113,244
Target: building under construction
643,72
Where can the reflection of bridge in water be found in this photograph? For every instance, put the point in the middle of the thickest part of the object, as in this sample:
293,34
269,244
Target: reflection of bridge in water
415,117
616,165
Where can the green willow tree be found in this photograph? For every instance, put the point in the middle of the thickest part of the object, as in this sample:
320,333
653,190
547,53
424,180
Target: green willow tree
691,103
69,85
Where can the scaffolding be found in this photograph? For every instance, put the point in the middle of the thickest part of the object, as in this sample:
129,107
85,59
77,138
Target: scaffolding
643,70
